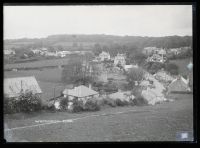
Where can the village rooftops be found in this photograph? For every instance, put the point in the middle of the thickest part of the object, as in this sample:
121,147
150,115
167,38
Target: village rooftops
80,92
14,86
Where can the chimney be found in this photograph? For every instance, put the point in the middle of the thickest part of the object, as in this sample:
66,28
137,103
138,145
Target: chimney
188,79
90,86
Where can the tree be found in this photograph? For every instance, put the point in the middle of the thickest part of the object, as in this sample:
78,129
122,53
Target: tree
172,68
78,73
97,49
135,74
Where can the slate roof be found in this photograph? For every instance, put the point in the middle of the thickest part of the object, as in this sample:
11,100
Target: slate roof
13,86
80,92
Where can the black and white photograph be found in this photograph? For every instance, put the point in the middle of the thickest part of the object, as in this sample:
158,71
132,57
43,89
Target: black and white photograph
98,73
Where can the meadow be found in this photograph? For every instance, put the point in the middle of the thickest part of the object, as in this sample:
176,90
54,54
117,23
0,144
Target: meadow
37,64
48,80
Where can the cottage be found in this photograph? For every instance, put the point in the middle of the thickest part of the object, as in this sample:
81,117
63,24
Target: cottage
120,59
104,56
81,93
14,86
179,85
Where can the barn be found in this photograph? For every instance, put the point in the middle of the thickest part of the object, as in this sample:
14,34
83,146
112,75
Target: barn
81,92
13,87
179,85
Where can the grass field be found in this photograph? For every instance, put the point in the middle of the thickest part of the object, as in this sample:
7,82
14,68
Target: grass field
48,79
162,122
36,64
45,75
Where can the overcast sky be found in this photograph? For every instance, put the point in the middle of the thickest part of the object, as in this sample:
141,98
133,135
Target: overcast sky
135,20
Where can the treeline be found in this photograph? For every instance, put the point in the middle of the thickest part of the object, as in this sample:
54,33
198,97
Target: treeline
103,40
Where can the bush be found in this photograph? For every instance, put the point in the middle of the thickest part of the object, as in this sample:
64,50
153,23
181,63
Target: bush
10,106
29,102
26,102
121,103
64,103
110,102
172,68
140,101
92,105
77,106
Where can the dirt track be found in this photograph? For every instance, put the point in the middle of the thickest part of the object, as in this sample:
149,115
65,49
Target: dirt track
162,122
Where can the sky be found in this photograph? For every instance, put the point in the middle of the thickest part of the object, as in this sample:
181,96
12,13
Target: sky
132,20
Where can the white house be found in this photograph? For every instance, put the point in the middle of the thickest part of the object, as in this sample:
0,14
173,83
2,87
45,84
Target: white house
9,52
104,56
120,59
162,52
150,50
81,93
156,58
175,51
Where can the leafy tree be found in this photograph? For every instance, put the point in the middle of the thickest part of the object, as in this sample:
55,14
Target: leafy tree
153,67
135,74
172,68
78,73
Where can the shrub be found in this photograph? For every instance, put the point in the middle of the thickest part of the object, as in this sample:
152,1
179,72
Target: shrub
26,102
64,103
77,106
172,68
10,106
29,102
121,103
92,105
139,101
110,102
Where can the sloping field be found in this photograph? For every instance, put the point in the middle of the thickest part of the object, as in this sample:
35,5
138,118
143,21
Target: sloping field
45,75
36,64
162,122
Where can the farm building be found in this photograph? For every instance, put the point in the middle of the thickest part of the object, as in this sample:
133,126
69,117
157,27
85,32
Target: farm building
179,85
14,86
104,56
81,92
120,59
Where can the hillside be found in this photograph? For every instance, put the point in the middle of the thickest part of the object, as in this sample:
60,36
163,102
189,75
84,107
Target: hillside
72,42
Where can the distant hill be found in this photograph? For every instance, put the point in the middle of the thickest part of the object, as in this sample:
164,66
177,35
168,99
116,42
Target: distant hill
71,42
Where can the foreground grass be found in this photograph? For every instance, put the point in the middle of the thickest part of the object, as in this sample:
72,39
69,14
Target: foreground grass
161,122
